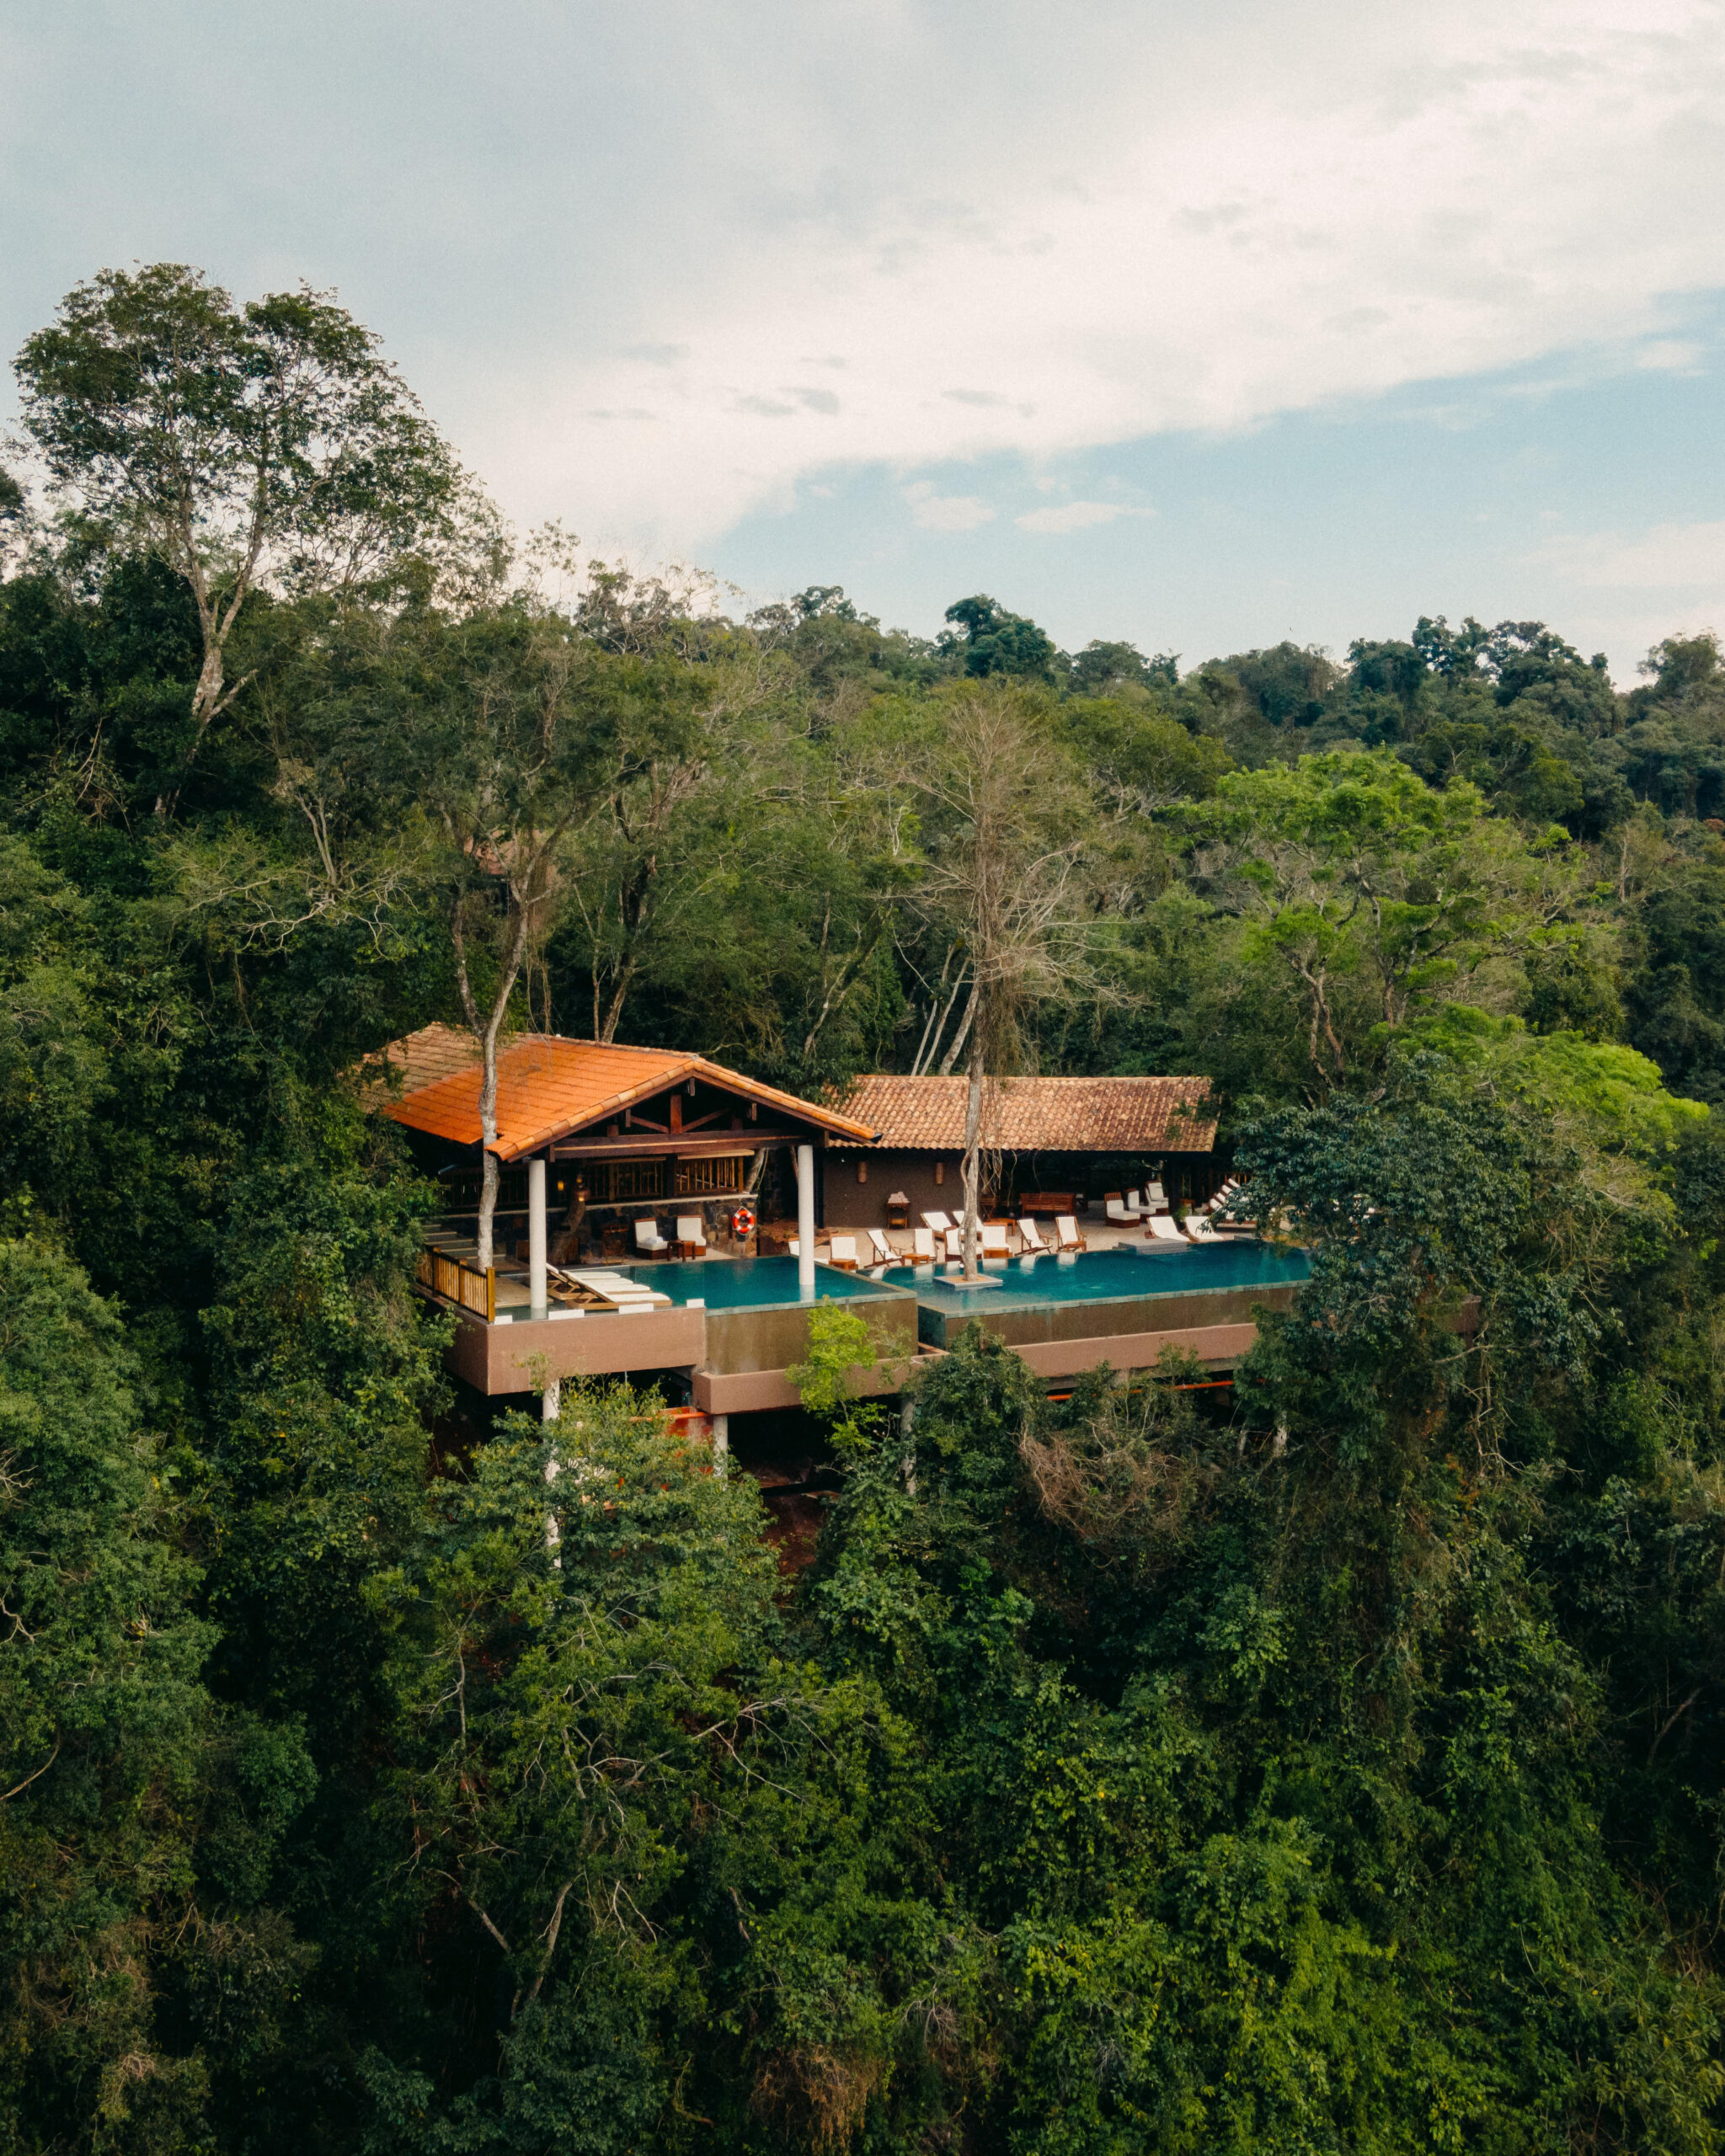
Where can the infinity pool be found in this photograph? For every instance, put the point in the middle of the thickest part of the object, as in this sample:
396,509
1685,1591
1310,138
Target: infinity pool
740,1283
1108,1276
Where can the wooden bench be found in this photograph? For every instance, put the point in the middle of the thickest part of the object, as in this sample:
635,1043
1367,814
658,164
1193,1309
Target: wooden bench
1049,1201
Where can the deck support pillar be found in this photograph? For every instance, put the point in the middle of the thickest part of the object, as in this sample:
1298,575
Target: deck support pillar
551,1401
721,1443
805,1224
537,1285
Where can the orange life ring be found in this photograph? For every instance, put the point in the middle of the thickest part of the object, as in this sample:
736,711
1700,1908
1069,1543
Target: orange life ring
743,1222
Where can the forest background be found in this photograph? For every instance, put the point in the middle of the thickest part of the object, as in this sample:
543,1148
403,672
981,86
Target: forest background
1339,1770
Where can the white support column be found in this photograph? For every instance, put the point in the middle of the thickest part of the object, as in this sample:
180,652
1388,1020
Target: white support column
551,1401
805,1223
537,1294
721,1444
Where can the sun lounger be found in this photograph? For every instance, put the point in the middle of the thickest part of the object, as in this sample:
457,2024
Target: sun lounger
1161,1228
922,1246
1031,1237
993,1238
937,1223
1199,1230
841,1253
691,1235
647,1237
1067,1228
884,1253
955,1246
613,1291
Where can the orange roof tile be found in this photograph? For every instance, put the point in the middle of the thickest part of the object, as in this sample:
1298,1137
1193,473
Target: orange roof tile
1040,1115
548,1087
417,1060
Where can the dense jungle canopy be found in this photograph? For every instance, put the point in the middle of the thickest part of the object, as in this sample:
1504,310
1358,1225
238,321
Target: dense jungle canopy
1341,1769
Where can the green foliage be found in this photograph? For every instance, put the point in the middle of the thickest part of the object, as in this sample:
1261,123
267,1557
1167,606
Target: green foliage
1332,1762
840,1345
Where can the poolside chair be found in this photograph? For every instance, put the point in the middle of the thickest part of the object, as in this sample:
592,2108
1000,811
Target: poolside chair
1162,1228
922,1246
691,1237
1067,1228
1199,1230
1031,1237
937,1223
1117,1212
647,1238
885,1254
841,1253
1134,1202
1156,1197
955,1246
993,1239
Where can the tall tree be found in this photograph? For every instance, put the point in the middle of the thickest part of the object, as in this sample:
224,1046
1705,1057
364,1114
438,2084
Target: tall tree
242,444
1007,833
502,738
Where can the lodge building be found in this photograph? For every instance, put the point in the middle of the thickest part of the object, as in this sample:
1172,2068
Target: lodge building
663,1218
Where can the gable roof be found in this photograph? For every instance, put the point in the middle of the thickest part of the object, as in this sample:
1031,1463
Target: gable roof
1040,1115
548,1086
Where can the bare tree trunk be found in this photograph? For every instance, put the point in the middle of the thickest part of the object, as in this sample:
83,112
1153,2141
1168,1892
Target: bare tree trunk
962,1034
938,1013
973,1153
488,1030
608,1032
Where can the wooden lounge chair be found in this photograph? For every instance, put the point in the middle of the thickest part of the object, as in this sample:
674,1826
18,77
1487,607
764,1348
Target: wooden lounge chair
937,1223
923,1251
955,1246
691,1237
841,1253
1030,1236
1067,1228
1162,1228
992,1240
885,1254
647,1238
1199,1230
1115,1207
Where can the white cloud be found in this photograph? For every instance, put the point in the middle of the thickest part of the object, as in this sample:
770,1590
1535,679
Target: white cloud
1075,516
1250,210
935,512
1667,556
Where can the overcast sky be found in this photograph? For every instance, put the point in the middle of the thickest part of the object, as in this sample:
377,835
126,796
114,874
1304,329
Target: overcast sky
1201,326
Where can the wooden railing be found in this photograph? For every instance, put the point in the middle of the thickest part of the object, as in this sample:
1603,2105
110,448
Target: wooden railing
462,1284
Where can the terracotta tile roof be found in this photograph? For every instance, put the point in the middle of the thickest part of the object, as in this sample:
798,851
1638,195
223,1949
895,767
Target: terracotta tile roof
1040,1115
547,1087
417,1060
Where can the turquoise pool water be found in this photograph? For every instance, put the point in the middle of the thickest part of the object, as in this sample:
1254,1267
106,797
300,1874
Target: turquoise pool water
1108,1275
745,1284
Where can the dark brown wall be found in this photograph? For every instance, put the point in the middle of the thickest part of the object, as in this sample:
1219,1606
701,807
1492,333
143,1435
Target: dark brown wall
852,1205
